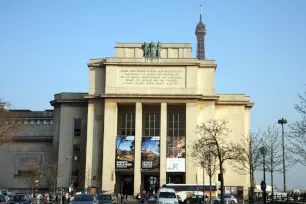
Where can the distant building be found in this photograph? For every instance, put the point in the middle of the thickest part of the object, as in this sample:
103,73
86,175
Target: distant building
34,142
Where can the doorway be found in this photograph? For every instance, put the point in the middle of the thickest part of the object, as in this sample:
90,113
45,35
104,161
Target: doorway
151,183
127,184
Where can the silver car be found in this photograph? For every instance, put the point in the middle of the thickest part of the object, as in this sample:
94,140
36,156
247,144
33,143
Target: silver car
84,199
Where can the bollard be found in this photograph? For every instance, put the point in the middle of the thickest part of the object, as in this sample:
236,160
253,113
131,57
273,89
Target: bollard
226,201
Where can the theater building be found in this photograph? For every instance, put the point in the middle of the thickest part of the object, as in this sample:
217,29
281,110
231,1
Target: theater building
133,129
139,118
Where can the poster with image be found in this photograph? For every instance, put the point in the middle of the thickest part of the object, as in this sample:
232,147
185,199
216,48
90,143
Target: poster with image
125,152
176,153
150,152
176,148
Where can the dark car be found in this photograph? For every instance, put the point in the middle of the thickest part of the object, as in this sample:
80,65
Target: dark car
105,199
3,198
21,199
84,199
195,199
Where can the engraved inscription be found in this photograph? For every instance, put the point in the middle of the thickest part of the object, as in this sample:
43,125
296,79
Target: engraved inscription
151,77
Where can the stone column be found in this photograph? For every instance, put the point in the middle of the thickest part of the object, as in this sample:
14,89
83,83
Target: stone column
93,144
163,144
109,146
137,161
191,123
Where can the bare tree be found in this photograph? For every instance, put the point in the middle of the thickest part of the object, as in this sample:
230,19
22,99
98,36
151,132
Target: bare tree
10,124
249,159
298,131
203,156
53,174
216,134
32,173
273,143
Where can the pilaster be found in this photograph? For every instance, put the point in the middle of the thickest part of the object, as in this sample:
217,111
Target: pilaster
163,144
137,161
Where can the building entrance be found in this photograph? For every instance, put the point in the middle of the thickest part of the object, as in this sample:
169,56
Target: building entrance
127,184
151,183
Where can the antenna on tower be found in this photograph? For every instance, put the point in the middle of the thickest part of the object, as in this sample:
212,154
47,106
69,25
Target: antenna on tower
200,13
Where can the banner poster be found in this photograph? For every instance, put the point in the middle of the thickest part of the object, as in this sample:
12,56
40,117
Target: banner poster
125,152
150,152
234,190
176,148
227,190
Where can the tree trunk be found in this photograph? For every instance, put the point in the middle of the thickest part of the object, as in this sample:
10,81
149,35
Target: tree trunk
210,189
252,193
251,187
222,183
272,194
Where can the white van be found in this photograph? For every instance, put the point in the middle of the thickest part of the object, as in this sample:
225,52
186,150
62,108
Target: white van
166,196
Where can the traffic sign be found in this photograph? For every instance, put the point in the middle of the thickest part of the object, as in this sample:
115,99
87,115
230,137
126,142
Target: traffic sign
263,186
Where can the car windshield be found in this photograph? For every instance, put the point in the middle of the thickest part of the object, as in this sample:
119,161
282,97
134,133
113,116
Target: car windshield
2,198
83,197
227,196
18,198
167,195
104,197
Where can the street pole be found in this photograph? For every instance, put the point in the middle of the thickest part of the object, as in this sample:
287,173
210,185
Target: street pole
282,122
203,185
264,174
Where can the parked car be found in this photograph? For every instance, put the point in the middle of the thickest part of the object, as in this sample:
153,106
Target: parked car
195,199
84,199
3,198
105,199
166,195
21,199
230,198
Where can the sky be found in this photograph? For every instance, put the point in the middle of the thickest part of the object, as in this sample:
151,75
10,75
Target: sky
259,47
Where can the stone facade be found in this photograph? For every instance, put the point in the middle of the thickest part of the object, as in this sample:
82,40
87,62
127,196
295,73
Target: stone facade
130,83
33,143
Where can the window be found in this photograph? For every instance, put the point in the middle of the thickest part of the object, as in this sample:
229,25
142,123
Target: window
176,147
51,122
45,122
176,125
32,122
38,122
127,124
25,122
77,127
151,124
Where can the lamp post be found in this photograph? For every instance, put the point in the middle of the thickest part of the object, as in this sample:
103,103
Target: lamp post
263,151
282,122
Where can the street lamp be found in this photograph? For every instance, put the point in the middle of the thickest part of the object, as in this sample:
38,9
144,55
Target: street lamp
263,151
282,122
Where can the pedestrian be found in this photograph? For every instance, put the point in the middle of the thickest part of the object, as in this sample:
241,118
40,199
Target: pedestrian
63,199
119,198
138,198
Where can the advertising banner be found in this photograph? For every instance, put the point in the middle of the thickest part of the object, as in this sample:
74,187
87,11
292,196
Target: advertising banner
176,150
175,164
150,152
125,152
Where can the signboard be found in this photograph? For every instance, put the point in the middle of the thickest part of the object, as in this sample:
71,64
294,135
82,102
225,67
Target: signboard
175,164
125,152
227,190
150,152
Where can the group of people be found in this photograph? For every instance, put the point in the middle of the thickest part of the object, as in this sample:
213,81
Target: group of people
48,198
144,197
122,198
